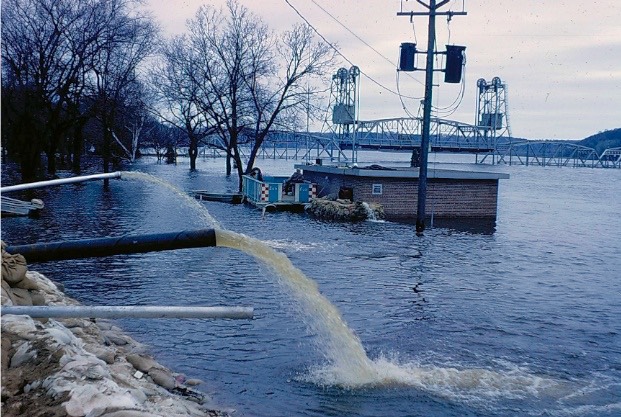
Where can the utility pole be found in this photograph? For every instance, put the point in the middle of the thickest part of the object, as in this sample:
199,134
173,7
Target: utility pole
424,142
432,12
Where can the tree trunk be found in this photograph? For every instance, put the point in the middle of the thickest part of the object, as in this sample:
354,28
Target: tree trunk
228,162
240,170
51,159
107,142
253,155
29,164
193,152
29,153
78,141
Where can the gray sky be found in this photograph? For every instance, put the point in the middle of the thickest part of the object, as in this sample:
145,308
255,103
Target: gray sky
561,60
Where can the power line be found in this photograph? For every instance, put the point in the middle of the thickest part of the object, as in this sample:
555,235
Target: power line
403,105
342,55
359,38
448,110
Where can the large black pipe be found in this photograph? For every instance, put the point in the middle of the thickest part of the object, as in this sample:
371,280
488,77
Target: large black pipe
95,248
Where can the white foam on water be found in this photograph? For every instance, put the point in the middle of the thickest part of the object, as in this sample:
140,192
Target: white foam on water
599,397
370,213
459,384
584,410
371,217
293,245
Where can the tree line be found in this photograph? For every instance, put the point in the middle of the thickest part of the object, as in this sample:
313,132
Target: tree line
98,76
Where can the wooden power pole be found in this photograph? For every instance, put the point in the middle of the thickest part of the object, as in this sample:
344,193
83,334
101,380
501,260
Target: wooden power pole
432,12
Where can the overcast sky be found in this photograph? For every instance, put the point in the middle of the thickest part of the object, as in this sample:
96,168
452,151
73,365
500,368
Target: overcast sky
561,60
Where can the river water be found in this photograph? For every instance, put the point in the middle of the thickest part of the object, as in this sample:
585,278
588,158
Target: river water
520,318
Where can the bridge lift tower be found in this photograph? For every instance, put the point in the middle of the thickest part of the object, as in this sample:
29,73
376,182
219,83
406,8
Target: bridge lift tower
344,103
492,118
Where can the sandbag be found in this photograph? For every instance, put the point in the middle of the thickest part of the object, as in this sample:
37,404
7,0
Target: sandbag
14,267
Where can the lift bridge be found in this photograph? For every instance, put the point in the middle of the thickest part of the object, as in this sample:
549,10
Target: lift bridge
343,131
385,134
403,134
489,139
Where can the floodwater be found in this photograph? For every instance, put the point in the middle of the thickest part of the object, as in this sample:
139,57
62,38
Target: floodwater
521,318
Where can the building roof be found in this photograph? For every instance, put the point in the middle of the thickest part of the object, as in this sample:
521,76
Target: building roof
377,171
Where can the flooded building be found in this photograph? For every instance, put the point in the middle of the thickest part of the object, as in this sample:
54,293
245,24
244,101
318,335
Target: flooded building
451,193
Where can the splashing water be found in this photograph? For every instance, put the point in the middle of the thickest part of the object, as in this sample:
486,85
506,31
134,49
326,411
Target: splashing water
190,201
348,364
463,383
370,213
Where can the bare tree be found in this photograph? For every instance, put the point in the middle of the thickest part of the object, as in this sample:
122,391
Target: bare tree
134,121
228,47
164,139
45,47
301,58
249,80
125,44
175,86
50,50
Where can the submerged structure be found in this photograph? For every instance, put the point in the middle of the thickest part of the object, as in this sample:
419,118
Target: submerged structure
451,193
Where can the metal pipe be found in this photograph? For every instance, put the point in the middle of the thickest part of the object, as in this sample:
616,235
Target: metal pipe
116,312
100,247
61,181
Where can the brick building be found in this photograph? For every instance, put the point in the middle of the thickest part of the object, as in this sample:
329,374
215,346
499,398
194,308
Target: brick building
450,193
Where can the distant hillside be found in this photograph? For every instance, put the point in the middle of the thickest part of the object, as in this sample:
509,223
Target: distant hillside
603,140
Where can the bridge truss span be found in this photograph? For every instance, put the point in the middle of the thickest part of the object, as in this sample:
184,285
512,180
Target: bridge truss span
548,153
446,136
611,158
452,136
397,133
405,133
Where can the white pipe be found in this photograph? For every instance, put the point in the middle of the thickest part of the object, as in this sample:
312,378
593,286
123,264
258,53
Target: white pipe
61,181
115,312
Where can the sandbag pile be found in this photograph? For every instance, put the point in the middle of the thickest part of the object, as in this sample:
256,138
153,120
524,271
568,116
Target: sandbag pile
344,210
81,367
17,287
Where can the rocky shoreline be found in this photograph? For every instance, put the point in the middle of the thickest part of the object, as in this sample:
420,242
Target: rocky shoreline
81,367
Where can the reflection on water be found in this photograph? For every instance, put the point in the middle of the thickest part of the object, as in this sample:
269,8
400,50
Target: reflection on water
483,226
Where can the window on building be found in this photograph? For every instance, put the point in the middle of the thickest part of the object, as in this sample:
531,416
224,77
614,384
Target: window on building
377,189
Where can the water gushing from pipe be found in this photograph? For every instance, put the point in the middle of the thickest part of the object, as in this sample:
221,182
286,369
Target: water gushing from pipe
341,347
348,364
190,201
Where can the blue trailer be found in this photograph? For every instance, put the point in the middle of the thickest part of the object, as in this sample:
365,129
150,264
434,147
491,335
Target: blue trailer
270,191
